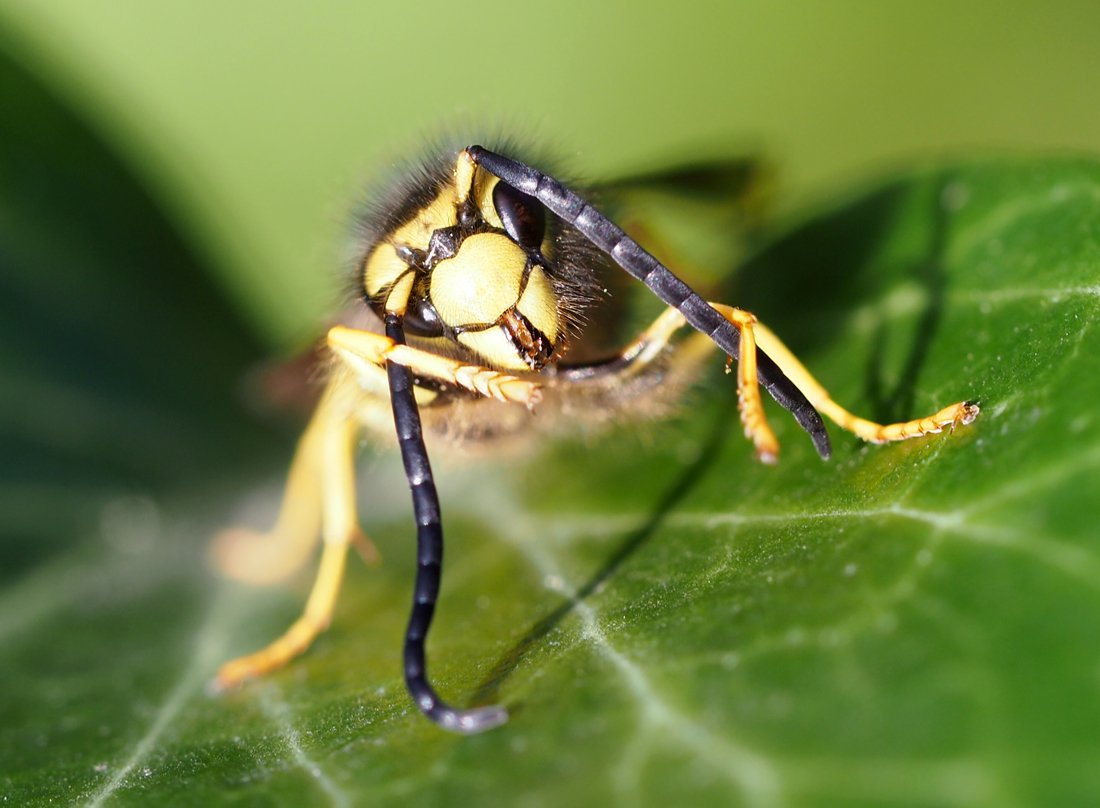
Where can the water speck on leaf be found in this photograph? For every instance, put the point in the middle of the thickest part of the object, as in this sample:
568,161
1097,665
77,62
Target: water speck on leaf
954,196
730,660
130,524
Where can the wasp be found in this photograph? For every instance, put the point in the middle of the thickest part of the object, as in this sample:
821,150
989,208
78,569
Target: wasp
475,275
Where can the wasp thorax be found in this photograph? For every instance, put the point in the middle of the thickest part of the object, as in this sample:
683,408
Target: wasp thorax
498,301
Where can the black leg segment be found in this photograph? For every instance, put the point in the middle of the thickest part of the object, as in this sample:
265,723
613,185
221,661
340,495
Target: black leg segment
629,255
429,554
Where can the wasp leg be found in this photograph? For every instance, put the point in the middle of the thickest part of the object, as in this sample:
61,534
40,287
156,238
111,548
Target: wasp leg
961,412
355,346
651,342
748,390
325,463
265,557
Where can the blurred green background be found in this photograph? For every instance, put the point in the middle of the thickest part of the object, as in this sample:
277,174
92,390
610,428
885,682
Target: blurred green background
256,122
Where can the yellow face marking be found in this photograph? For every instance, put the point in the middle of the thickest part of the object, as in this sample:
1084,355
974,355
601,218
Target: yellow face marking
436,215
539,304
464,176
480,282
382,269
398,297
493,344
484,183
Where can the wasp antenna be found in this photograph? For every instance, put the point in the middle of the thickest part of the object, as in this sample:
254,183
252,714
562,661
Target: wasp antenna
429,554
632,257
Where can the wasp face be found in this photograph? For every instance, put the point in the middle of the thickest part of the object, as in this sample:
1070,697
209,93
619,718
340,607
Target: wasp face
472,266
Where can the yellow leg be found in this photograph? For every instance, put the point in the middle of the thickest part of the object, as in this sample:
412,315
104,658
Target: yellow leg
748,389
353,346
649,344
301,634
657,336
329,448
259,557
962,412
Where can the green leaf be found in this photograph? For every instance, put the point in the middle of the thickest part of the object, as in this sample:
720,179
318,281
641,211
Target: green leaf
667,621
119,359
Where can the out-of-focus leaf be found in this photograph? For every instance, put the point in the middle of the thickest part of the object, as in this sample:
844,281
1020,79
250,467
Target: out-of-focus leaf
118,359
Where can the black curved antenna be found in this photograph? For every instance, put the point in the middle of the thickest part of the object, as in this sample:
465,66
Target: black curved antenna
630,255
429,554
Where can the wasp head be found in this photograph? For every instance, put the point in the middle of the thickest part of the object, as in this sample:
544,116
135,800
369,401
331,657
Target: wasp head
473,266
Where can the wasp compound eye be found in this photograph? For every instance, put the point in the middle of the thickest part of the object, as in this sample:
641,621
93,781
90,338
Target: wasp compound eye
523,216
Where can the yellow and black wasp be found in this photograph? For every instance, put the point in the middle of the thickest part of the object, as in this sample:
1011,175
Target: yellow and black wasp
477,274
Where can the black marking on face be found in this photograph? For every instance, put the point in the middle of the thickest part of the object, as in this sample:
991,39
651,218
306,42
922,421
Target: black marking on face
444,244
422,320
